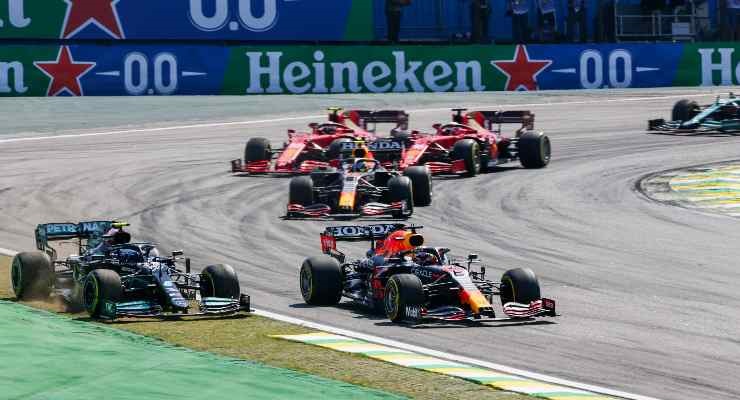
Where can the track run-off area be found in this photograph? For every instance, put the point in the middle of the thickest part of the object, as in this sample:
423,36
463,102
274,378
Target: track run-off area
647,291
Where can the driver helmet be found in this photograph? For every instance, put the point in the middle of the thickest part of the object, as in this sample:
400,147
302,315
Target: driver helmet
361,166
116,236
425,258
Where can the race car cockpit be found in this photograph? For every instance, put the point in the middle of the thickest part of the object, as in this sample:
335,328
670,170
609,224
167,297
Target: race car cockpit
360,165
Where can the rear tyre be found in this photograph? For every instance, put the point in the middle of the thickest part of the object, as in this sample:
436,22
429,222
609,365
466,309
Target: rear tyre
335,148
684,110
301,191
321,281
257,149
101,286
421,182
468,150
519,285
404,296
401,189
219,280
534,150
31,275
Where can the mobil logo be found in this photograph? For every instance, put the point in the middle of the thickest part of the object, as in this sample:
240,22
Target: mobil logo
252,15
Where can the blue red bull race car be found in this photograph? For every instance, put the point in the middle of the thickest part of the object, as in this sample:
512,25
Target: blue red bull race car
412,282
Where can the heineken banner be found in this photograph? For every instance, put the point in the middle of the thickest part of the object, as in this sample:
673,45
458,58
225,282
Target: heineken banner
128,69
263,20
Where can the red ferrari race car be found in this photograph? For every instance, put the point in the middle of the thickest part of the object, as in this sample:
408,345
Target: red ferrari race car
306,151
473,143
412,282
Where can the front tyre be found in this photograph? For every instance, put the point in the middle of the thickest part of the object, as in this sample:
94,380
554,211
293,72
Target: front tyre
404,296
257,149
519,285
219,280
31,275
534,149
401,190
301,191
321,281
468,150
684,110
101,286
421,182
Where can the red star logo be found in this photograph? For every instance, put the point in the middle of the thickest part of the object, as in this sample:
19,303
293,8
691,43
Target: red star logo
81,13
521,72
65,73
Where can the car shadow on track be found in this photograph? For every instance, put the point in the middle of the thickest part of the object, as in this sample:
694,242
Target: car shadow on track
179,318
360,312
695,134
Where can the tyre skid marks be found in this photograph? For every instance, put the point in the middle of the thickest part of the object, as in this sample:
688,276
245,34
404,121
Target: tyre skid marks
483,376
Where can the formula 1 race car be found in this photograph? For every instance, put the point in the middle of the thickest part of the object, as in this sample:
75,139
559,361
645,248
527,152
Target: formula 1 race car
689,117
473,143
113,278
412,283
359,187
306,151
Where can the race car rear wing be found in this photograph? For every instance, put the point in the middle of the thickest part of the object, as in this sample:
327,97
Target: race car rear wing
363,118
52,232
489,118
354,233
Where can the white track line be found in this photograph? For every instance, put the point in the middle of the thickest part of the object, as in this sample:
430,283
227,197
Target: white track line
431,352
310,117
451,357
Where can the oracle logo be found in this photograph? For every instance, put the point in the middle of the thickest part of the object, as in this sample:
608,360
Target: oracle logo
245,18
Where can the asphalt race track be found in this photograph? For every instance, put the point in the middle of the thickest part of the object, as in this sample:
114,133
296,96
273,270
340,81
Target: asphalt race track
648,292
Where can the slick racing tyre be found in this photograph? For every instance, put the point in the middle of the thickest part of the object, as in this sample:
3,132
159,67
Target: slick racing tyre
468,150
335,148
321,281
421,182
101,285
534,149
257,149
301,191
519,285
684,110
219,280
31,275
401,189
404,296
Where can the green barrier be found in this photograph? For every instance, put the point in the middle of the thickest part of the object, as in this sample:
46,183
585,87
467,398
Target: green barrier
46,356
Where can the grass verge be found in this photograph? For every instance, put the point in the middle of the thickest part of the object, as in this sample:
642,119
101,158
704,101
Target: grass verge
247,337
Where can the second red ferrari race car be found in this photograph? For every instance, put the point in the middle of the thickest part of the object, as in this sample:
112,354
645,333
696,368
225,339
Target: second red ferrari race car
412,282
306,151
472,143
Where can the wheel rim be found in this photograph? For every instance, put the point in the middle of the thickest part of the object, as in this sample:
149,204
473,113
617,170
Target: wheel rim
16,276
90,294
306,286
476,158
391,301
546,150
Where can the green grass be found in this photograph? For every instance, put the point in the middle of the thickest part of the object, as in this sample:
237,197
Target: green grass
248,337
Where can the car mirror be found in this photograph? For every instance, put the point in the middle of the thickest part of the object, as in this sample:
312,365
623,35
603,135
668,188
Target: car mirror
472,257
437,126
177,253
313,125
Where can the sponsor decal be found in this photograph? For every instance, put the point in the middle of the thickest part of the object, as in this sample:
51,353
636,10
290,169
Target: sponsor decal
101,13
413,312
377,145
424,273
61,229
717,67
245,17
65,73
361,231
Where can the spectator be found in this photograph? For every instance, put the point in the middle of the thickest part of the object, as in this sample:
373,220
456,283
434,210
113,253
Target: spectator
547,28
393,17
519,11
732,20
577,21
480,13
604,22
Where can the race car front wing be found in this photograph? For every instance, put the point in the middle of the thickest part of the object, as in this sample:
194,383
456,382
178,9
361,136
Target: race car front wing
151,309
